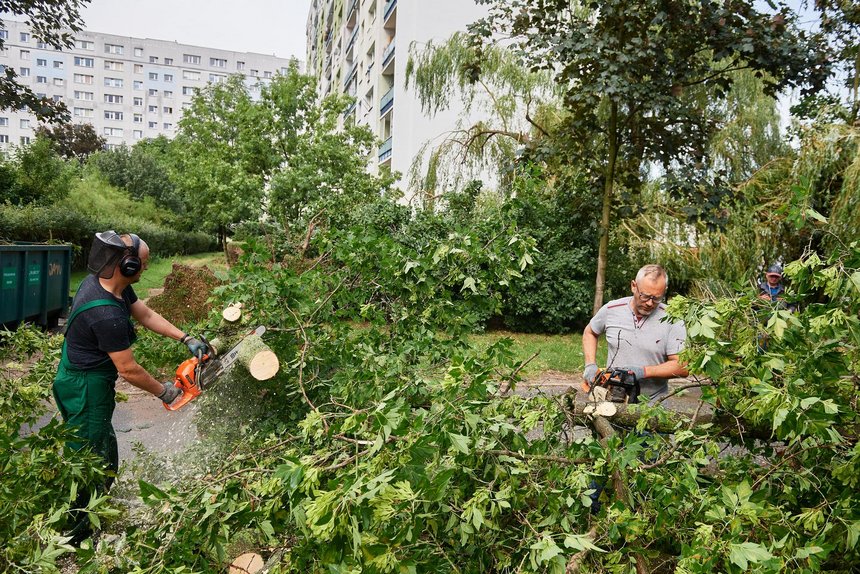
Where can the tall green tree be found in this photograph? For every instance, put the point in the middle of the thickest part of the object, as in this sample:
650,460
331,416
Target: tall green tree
222,157
631,72
73,141
53,22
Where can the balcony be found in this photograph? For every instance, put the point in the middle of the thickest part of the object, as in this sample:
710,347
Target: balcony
387,55
386,102
351,42
385,151
350,110
350,74
390,5
350,13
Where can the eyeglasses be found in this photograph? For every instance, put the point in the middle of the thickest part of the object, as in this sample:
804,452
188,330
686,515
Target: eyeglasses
652,298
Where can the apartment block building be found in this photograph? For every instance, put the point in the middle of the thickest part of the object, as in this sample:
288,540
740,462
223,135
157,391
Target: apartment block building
360,47
127,88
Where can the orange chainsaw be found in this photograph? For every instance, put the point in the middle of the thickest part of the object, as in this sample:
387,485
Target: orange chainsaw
193,374
621,385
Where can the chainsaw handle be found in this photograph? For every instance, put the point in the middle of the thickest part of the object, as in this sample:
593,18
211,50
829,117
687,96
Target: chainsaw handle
186,398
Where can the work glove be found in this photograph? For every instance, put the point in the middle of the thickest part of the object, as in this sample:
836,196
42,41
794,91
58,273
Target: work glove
637,372
590,372
197,347
170,392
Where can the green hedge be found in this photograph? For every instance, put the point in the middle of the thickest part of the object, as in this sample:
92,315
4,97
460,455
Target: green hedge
59,224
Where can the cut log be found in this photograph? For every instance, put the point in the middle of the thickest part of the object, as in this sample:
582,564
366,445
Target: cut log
249,563
258,358
232,314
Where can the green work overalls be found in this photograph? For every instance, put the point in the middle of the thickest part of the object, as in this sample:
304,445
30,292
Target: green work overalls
86,398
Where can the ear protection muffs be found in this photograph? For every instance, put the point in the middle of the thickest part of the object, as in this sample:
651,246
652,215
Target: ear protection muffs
130,263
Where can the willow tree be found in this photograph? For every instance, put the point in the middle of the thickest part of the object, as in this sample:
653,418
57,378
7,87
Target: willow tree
505,107
629,68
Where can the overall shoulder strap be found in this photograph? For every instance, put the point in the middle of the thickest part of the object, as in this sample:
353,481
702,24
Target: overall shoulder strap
90,305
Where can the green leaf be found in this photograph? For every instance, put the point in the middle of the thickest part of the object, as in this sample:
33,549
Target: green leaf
459,442
469,283
581,542
744,553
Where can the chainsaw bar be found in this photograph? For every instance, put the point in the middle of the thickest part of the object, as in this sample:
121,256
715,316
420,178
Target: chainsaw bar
217,367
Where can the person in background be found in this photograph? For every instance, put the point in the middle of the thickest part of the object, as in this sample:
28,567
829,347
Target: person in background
638,338
772,289
97,348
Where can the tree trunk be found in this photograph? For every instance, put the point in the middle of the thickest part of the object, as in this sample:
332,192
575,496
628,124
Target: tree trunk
608,191
258,358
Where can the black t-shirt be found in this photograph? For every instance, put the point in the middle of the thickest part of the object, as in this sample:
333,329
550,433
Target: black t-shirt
100,330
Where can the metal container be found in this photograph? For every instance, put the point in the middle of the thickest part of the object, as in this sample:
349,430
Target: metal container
34,283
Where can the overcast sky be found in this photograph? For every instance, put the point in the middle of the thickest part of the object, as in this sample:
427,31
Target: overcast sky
263,26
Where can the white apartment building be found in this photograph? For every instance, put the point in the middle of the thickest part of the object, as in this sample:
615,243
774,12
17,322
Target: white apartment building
360,47
127,88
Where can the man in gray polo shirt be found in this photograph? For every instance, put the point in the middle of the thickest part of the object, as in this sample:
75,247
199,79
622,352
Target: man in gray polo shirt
637,337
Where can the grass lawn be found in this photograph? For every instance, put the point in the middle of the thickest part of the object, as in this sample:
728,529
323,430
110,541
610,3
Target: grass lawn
555,352
159,268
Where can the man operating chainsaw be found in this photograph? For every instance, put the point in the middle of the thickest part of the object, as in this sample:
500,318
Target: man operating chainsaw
97,348
642,347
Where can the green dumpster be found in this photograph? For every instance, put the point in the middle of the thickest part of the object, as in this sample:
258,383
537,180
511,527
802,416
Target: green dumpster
34,283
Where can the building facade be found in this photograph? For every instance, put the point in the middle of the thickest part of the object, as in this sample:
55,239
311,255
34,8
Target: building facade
127,88
360,47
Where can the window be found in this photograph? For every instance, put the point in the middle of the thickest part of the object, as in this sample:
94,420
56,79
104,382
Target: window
168,77
4,122
88,96
41,79
4,139
153,59
187,91
137,101
113,132
82,62
113,49
153,92
57,98
168,110
218,62
25,54
138,68
216,78
138,85
168,61
168,94
138,52
113,82
41,62
190,59
25,140
137,134
240,65
153,75
25,37
168,126
113,115
25,124
59,82
153,125
24,72
254,73
138,118
267,74
112,65
4,34
189,75
153,109
41,45
83,79
283,71
113,99
84,45
58,64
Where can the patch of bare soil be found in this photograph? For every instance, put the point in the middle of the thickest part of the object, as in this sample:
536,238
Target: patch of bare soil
185,295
